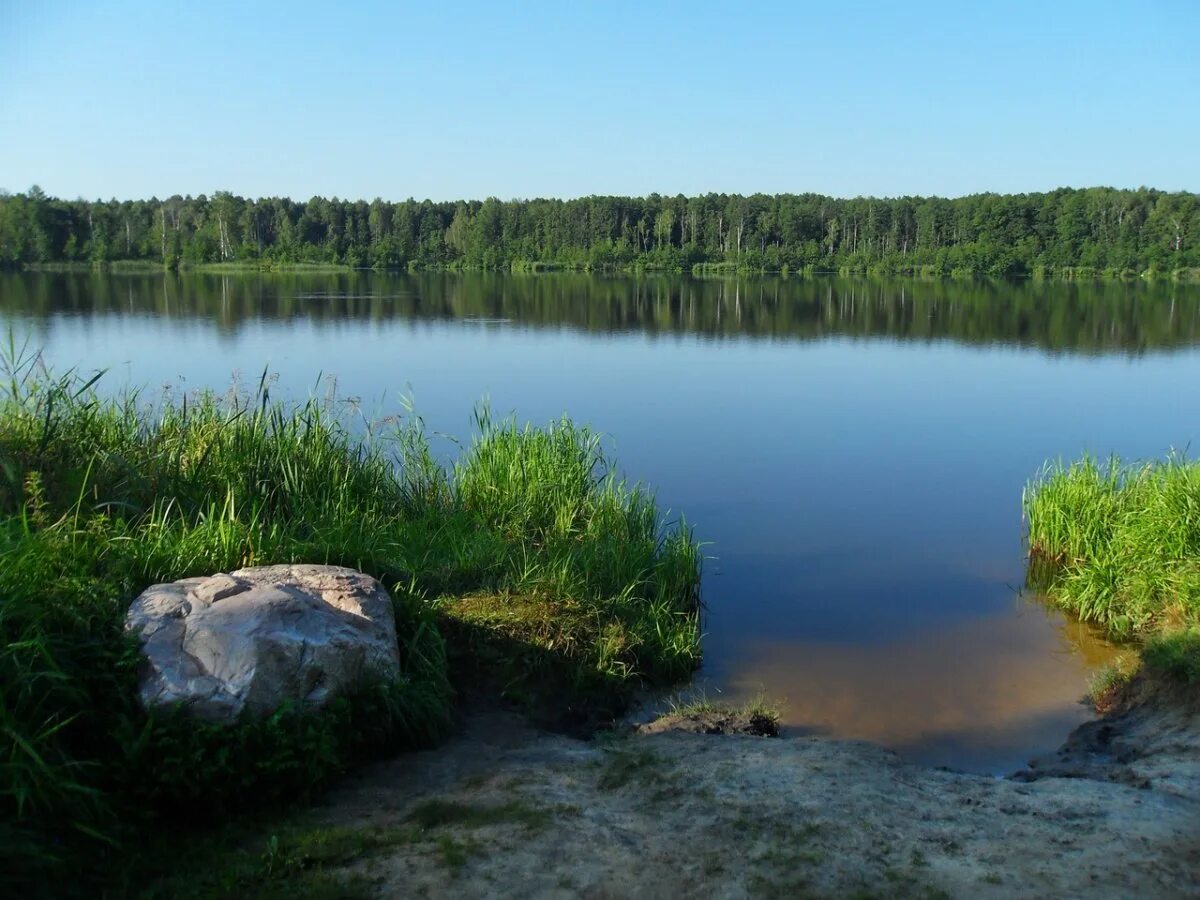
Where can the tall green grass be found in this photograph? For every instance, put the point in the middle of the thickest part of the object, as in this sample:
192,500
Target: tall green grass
1119,545
100,497
580,535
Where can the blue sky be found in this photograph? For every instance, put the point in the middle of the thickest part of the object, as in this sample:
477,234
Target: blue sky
450,100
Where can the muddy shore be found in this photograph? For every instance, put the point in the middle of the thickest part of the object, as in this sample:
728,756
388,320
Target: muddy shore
505,809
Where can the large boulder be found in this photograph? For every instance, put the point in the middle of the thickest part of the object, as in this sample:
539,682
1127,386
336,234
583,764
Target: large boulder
257,637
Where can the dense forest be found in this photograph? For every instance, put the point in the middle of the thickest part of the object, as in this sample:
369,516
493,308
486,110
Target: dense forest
1064,232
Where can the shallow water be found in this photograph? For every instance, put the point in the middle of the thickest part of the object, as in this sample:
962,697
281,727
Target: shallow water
853,451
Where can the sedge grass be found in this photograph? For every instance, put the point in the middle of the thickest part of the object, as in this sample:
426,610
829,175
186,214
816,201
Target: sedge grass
1119,546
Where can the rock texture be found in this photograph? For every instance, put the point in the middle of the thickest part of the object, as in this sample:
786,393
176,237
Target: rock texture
255,638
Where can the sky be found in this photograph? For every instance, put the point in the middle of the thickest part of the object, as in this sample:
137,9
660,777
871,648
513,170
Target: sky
562,99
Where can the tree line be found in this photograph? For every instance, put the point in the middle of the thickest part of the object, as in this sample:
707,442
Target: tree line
1065,232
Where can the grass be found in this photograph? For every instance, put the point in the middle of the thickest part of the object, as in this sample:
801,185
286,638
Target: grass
529,547
456,849
295,861
432,814
300,858
1119,546
1176,655
1107,681
589,595
623,766
455,853
698,704
756,716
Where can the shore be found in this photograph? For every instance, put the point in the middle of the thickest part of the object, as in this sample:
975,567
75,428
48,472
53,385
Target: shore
641,267
667,810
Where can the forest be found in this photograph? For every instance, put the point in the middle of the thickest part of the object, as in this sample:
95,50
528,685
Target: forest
1062,233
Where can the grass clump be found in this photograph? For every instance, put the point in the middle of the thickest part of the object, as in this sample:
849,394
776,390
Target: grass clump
1176,655
757,716
1120,546
699,704
101,497
1108,681
589,596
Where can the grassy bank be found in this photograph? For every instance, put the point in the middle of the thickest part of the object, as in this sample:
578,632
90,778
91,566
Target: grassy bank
1120,546
529,561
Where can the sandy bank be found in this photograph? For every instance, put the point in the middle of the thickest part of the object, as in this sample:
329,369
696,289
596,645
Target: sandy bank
507,810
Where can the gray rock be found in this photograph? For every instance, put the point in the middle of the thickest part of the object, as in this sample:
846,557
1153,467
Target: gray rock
257,637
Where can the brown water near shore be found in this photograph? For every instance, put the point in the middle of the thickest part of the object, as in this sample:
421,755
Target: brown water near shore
979,694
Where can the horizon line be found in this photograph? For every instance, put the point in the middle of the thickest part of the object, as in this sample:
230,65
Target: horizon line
4,193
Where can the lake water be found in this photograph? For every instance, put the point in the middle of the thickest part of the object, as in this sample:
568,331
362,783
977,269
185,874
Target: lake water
853,452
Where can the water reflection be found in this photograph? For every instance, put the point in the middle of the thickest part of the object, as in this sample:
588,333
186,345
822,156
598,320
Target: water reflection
985,693
1093,317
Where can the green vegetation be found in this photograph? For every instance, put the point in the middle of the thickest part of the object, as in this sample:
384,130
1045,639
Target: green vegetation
1065,233
300,858
101,497
1111,678
1176,655
1120,546
593,596
623,766
433,814
697,712
297,860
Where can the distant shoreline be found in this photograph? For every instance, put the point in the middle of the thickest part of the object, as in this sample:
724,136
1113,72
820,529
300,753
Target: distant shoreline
1081,273
1066,233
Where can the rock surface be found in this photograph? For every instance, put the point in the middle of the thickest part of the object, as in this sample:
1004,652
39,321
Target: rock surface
257,637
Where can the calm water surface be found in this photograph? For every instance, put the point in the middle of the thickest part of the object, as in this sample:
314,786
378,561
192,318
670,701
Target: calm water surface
853,451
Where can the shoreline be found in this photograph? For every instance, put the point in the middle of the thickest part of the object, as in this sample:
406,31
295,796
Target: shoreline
519,267
673,809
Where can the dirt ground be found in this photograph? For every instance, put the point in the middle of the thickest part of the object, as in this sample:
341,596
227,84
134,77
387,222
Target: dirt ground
506,810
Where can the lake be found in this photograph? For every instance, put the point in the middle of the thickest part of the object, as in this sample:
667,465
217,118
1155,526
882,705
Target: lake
852,451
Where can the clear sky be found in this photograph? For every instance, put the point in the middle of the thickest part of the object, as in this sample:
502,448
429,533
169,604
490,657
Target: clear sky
450,100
